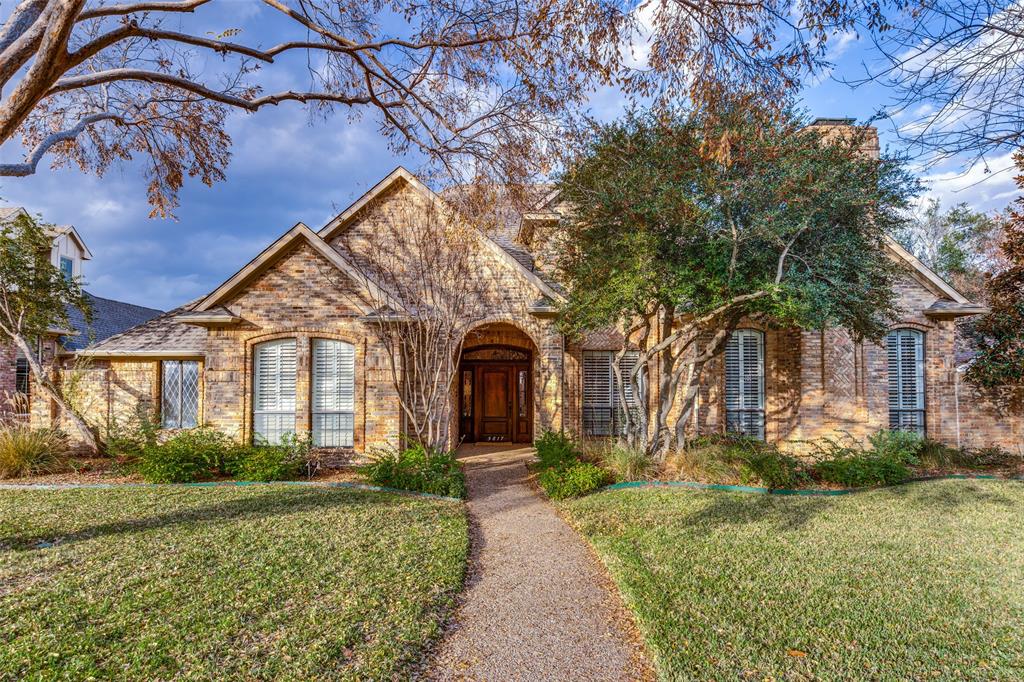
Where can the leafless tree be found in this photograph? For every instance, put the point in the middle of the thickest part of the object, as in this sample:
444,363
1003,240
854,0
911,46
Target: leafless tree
421,263
486,85
957,71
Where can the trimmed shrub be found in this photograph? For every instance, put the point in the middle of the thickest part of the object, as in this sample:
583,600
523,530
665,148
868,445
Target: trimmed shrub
555,449
25,451
865,469
899,445
188,456
573,480
772,469
261,462
626,463
416,468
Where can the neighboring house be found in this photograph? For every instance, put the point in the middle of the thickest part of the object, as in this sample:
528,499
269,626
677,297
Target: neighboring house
288,343
68,253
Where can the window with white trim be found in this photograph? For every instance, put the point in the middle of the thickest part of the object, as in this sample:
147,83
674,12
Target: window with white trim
602,413
905,349
744,383
273,391
334,389
179,394
67,268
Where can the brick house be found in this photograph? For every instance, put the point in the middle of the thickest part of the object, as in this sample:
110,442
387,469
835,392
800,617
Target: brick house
68,253
288,343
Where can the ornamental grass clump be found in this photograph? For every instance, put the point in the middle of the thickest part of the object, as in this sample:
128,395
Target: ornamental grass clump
626,463
25,451
737,460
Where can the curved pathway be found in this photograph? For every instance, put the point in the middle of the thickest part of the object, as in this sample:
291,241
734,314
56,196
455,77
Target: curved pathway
536,604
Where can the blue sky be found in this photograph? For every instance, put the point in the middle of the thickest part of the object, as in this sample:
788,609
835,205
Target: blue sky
286,168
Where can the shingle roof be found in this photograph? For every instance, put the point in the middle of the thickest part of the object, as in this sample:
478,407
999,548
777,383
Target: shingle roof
160,335
527,260
109,317
9,212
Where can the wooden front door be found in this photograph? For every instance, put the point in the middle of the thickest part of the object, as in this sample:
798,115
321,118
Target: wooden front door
495,402
495,415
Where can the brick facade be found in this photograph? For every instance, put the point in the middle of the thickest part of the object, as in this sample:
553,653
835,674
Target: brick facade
816,384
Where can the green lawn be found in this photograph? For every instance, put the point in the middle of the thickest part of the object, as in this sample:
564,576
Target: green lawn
258,582
922,581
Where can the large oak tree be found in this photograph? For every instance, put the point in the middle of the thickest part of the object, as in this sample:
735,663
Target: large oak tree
681,228
487,85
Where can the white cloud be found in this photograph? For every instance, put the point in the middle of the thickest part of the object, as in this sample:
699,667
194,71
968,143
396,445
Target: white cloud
983,191
98,208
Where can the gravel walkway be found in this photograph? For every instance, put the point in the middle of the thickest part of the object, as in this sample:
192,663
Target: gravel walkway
536,605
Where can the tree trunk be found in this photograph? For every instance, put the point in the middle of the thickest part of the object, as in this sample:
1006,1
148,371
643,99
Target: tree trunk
54,393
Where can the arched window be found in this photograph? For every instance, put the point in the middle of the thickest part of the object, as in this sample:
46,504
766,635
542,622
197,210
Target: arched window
274,391
906,380
744,383
334,389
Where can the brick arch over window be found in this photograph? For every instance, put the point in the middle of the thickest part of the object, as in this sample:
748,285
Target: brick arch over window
305,408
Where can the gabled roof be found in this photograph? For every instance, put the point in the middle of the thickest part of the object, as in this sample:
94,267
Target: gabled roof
162,336
923,273
70,231
109,317
400,174
275,252
9,213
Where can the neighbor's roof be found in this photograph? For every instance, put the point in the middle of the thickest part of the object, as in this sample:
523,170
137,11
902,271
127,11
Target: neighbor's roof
161,336
9,213
109,317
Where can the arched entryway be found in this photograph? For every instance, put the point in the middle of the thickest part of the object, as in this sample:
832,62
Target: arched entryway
495,391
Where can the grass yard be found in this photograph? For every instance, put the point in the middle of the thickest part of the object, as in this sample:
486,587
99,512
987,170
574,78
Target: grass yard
922,581
258,582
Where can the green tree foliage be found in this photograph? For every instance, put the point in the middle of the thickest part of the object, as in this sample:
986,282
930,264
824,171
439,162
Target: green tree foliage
999,335
34,301
682,227
958,243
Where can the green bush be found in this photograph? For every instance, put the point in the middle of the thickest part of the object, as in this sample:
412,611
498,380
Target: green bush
262,462
772,469
25,451
864,469
555,449
127,439
572,480
898,445
626,463
416,468
188,456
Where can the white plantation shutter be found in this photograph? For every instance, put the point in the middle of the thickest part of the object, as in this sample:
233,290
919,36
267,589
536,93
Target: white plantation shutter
744,383
334,388
274,390
597,393
602,415
905,349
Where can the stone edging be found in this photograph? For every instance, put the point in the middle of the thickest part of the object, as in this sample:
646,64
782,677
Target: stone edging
810,492
222,484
